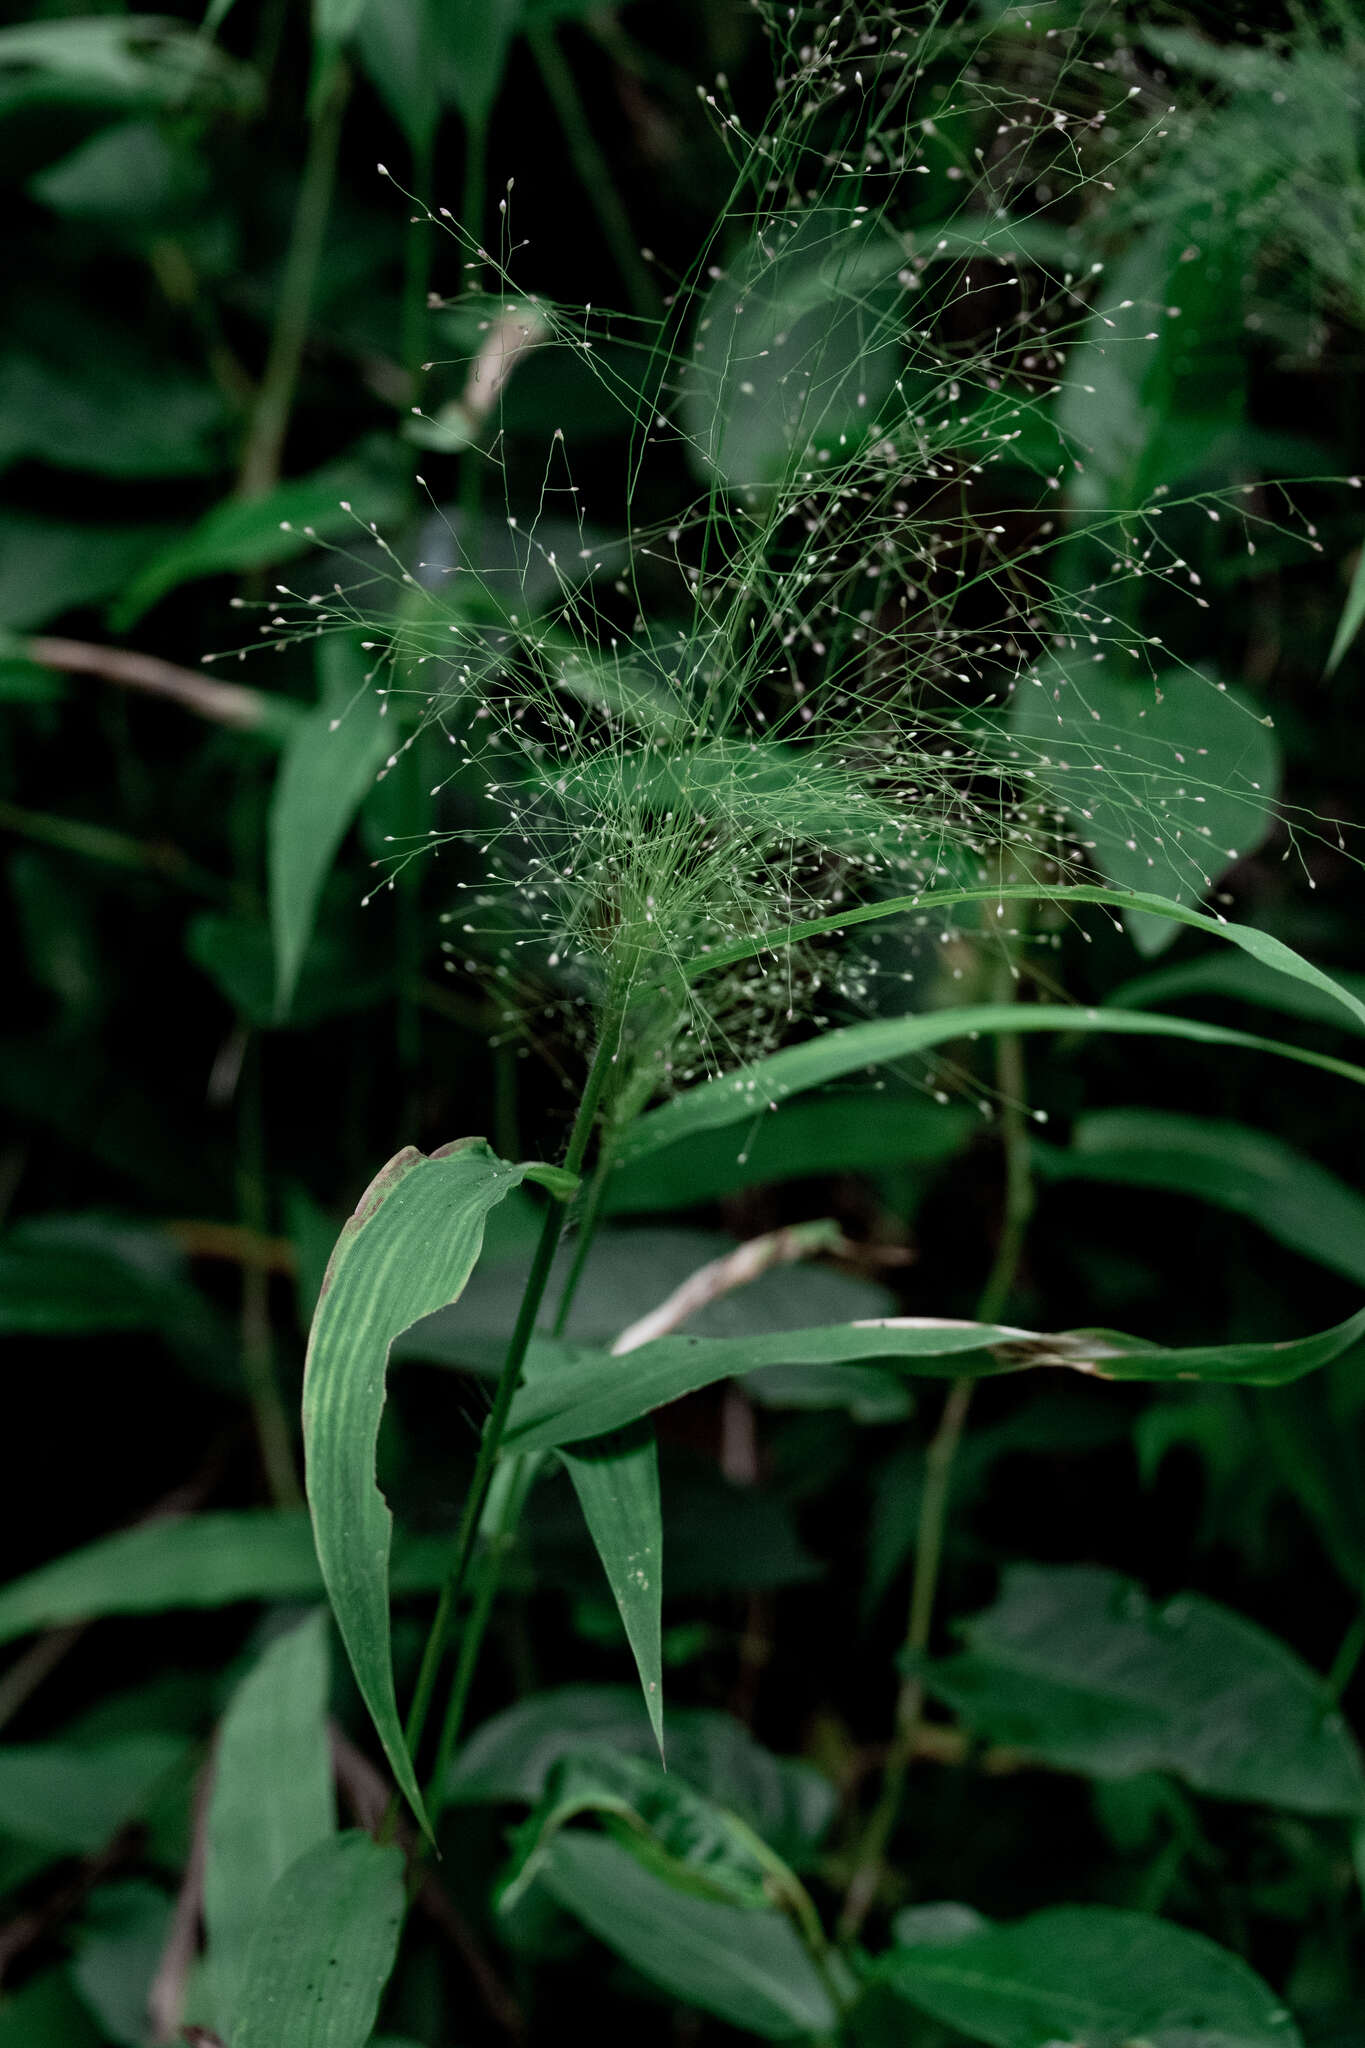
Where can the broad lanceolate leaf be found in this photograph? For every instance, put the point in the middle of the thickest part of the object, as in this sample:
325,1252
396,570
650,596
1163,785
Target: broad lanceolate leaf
407,1251
1084,1975
767,1083
199,1561
591,1392
330,760
1236,1168
323,1948
272,1796
1170,782
617,1483
1271,952
1079,1667
748,1967
513,1756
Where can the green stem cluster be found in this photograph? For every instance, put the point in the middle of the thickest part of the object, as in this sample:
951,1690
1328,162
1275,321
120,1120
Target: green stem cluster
490,1444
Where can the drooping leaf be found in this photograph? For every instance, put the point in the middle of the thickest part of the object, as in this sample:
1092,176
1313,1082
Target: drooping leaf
575,1394
209,1560
767,1083
1262,946
748,1967
323,1947
272,1796
407,1251
617,1483
1247,1171
1230,977
513,1755
329,761
73,1796
1078,1666
1082,1974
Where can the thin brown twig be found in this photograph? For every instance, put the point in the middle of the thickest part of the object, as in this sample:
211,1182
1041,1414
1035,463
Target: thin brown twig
166,1997
223,703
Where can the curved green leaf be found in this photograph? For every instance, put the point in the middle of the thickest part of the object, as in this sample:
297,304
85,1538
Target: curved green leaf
272,1796
589,1393
1260,945
1086,1974
767,1083
323,1948
1239,978
407,1251
748,1967
196,1561
1253,1174
617,1483
1077,1666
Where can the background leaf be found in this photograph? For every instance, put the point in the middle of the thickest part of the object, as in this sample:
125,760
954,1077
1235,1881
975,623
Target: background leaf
323,1948
272,1796
1086,1973
749,1968
1076,1665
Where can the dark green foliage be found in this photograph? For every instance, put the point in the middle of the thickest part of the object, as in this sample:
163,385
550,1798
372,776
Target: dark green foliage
748,748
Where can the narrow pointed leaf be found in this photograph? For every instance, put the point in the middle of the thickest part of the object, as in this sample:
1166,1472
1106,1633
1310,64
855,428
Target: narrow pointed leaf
1260,945
272,1796
591,1392
617,1483
408,1250
322,1950
1084,1974
767,1083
